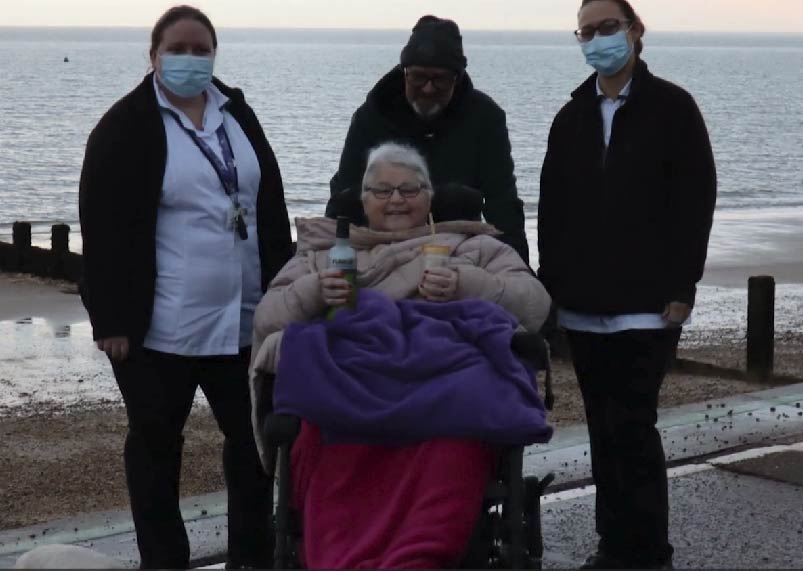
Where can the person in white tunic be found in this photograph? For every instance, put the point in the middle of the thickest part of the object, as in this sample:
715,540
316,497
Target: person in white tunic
184,224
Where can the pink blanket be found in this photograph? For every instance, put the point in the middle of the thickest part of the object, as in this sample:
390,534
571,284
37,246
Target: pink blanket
380,507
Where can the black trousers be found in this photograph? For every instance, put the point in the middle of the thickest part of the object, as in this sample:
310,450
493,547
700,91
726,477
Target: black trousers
158,390
620,376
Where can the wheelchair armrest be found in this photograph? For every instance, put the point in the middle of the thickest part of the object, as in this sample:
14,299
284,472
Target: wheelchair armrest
280,430
533,347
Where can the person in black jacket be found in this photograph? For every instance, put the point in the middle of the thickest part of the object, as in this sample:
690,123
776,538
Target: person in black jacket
429,102
184,224
628,188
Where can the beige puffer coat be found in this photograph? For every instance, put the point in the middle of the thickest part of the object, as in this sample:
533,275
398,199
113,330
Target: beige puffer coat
392,263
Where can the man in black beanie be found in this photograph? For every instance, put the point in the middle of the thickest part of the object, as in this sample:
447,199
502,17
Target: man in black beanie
428,101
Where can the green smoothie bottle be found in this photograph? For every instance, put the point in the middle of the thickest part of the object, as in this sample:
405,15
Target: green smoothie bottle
344,258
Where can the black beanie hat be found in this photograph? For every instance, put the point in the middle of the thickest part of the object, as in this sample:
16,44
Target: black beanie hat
435,42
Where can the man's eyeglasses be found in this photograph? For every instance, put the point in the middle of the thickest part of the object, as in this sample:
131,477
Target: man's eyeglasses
605,28
406,191
441,82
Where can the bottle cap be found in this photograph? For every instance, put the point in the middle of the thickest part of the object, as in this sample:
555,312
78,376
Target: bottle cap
343,227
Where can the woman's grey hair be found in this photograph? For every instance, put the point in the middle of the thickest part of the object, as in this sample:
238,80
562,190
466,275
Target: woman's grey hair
400,156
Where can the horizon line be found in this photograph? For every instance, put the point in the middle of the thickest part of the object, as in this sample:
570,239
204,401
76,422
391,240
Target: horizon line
366,29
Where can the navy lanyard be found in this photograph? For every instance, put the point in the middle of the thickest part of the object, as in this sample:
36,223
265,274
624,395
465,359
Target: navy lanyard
226,170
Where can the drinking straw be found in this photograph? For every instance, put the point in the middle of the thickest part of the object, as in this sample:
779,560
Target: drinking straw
431,224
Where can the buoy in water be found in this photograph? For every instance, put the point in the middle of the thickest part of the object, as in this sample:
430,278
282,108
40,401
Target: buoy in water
66,59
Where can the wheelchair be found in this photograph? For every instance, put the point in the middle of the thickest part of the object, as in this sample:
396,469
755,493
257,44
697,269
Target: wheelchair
507,533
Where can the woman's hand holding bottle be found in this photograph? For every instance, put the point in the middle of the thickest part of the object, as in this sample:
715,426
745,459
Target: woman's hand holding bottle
335,289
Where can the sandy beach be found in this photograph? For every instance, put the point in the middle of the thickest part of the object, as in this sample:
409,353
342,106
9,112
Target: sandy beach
752,242
24,296
62,424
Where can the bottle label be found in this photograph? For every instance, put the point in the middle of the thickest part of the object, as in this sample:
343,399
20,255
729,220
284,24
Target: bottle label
346,262
342,263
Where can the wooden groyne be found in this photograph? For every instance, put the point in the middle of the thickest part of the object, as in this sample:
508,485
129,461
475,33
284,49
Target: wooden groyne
54,262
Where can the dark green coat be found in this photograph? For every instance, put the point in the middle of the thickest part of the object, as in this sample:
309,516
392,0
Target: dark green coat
467,144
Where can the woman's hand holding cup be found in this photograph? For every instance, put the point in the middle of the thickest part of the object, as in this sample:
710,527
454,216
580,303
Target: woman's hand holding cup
439,284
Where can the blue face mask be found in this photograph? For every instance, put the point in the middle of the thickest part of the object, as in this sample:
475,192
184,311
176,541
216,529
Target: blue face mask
186,75
608,54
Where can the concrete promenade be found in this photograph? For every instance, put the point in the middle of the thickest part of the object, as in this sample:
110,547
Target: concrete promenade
736,493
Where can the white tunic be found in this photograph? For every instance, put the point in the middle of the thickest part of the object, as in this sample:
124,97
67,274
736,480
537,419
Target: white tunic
207,279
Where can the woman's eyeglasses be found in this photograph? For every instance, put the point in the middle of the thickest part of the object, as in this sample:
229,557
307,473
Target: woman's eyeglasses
605,28
406,191
441,82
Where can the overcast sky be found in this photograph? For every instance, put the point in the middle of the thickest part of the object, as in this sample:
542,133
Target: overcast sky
687,15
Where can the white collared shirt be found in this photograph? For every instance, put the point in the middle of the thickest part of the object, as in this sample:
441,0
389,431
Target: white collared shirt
609,107
619,322
208,280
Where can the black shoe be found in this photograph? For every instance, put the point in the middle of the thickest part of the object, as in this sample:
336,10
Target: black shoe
654,565
664,565
603,561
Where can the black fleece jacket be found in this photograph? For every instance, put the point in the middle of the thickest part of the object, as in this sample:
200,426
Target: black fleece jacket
467,143
121,183
626,230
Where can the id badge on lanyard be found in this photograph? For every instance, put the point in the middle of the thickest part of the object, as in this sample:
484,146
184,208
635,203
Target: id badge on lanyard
227,173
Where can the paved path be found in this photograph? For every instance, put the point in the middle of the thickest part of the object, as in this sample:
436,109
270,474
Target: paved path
720,518
732,512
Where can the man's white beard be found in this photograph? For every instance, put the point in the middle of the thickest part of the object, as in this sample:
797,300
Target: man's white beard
428,114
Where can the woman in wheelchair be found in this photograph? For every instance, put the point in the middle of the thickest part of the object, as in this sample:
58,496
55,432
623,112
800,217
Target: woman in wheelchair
405,398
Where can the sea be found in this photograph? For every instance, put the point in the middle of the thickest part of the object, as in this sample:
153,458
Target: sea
304,86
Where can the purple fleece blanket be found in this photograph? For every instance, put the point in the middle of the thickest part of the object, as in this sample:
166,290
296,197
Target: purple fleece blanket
394,372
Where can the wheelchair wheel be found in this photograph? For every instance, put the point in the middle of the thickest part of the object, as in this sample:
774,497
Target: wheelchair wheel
533,490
